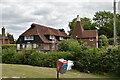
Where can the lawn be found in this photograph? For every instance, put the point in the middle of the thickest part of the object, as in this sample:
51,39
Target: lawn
26,71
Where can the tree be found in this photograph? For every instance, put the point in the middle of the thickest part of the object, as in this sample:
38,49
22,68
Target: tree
69,45
103,41
11,38
86,22
104,21
71,25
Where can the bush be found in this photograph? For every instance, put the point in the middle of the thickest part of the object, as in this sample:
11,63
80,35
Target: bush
93,60
71,45
110,61
19,58
111,41
103,40
26,54
6,46
47,59
8,55
118,40
87,60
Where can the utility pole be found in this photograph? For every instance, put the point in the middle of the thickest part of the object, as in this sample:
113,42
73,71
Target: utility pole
119,7
114,22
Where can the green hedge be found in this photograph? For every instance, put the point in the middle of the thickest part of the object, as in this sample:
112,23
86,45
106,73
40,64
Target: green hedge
8,55
92,60
6,46
47,59
33,57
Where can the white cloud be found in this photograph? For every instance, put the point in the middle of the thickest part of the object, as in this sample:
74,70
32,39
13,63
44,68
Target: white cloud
17,16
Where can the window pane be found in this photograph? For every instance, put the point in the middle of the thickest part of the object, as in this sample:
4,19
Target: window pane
28,38
18,46
34,45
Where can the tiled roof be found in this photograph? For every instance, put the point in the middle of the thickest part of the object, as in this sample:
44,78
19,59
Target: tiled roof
79,32
40,30
89,33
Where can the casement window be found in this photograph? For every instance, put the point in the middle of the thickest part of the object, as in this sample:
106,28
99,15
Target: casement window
61,38
29,46
23,46
35,46
29,38
18,46
91,39
52,37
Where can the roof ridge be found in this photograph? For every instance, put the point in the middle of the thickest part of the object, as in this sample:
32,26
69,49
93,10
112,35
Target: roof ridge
44,26
90,30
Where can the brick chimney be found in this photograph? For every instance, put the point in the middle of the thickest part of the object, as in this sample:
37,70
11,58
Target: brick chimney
3,35
3,31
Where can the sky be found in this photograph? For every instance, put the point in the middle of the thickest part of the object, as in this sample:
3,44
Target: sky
17,15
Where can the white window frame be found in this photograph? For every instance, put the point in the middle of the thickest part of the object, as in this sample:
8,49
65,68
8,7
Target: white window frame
97,44
61,37
29,38
52,37
34,45
23,46
29,46
18,46
91,39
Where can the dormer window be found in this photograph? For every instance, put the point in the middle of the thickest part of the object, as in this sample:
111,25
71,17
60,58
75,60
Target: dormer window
28,38
61,38
91,39
52,37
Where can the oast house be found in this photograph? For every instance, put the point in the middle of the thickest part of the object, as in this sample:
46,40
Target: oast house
90,37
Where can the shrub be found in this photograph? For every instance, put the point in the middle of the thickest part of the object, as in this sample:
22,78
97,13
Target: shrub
71,45
26,54
103,41
87,60
111,41
111,61
47,59
118,40
94,60
8,55
19,58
